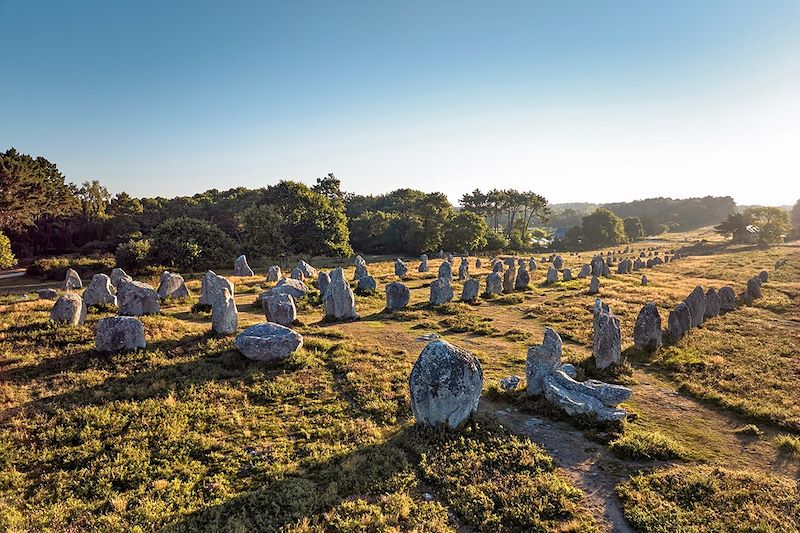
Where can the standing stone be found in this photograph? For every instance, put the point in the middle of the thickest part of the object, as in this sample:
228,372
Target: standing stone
268,342
441,291
713,303
298,274
69,309
606,270
117,275
446,271
597,265
469,293
361,268
509,279
423,263
638,264
224,315
366,285
696,301
100,292
585,271
567,274
136,298
211,284
644,280
622,267
241,268
753,291
400,268
450,259
172,285
764,276
558,262
543,360
727,299
119,333
397,296
274,273
278,308
523,279
679,322
323,280
594,285
309,272
339,301
606,344
552,275
295,287
494,284
647,330
532,264
497,267
445,385
72,280
463,270
477,262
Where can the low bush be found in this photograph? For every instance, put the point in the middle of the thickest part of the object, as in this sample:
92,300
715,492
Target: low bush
55,268
637,444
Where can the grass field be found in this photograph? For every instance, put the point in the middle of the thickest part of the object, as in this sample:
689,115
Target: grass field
189,435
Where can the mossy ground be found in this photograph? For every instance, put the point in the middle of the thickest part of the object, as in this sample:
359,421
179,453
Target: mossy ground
188,434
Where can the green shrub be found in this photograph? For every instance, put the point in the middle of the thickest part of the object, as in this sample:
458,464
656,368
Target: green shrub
789,445
638,444
7,259
55,268
190,244
133,255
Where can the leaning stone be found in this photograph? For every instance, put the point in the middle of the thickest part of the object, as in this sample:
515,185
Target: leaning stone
72,280
268,342
118,334
323,280
647,330
552,275
713,303
47,294
679,322
295,287
69,309
494,284
727,299
445,385
117,275
241,268
400,268
339,302
441,291
100,292
594,285
172,286
469,293
606,344
542,360
397,296
274,273
584,398
366,285
136,298
697,305
279,308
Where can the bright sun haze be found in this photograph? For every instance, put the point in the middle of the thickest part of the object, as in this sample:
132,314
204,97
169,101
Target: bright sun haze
585,101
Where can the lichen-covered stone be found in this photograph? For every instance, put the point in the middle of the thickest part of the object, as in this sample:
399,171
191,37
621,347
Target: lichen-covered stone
241,268
441,291
119,333
696,301
339,302
542,360
100,292
136,298
268,342
647,329
397,296
69,309
279,307
469,293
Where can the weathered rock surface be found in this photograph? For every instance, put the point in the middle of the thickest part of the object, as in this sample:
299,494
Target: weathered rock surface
366,285
69,309
607,339
241,268
713,303
463,270
567,274
172,286
696,301
397,296
558,262
47,294
494,283
100,292
309,272
117,275
532,264
224,314
441,291
119,333
727,299
295,287
446,272
400,268
523,280
323,280
552,275
679,322
509,279
647,329
542,360
339,302
594,285
597,265
644,280
279,308
592,398
72,280
445,385
274,273
423,263
753,291
268,342
510,383
763,276
136,298
469,293
585,271
297,274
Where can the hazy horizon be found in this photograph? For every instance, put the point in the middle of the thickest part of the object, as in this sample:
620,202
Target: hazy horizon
595,102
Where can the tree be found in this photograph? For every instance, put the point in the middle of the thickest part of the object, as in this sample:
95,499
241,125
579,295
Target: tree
7,259
772,222
495,241
602,228
133,255
124,213
796,214
263,230
467,231
191,244
634,230
331,188
368,232
735,226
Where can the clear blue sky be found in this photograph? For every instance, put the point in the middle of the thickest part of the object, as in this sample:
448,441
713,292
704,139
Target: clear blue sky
580,101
